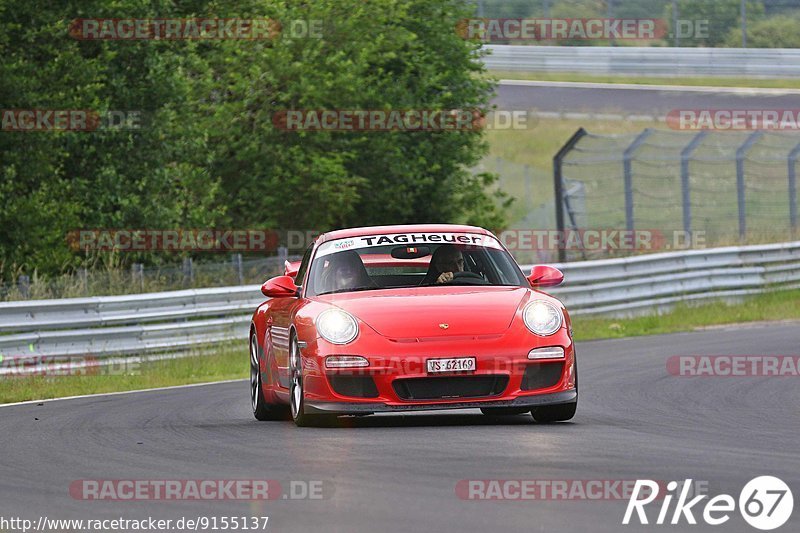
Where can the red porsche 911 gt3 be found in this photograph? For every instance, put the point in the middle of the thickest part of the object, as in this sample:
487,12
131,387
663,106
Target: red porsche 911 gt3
415,317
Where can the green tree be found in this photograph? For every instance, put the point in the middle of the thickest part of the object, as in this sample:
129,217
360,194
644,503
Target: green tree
720,15
384,54
57,182
209,153
773,32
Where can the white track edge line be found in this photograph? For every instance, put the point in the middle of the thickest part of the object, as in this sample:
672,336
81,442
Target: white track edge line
118,393
646,87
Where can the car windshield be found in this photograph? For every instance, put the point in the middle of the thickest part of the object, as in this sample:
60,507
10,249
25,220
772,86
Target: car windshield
411,260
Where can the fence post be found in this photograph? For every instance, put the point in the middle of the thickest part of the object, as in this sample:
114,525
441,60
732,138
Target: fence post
24,286
558,184
237,266
610,15
741,153
528,188
675,30
793,189
686,153
83,276
743,16
188,271
628,174
137,274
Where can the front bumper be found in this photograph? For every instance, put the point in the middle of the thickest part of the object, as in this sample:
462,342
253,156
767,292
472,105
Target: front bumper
397,379
539,400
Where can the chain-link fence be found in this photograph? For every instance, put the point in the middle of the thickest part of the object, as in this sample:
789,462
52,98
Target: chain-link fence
715,188
730,22
137,278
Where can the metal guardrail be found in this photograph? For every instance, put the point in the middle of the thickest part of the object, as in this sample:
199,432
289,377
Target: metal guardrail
99,311
122,326
38,334
655,61
648,283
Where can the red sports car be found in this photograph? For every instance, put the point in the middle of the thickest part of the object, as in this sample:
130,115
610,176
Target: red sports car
406,318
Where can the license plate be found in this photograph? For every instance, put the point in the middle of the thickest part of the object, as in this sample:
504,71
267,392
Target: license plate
454,364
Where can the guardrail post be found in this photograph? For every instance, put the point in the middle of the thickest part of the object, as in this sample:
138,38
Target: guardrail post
24,286
558,183
628,175
237,267
741,153
793,189
188,271
686,153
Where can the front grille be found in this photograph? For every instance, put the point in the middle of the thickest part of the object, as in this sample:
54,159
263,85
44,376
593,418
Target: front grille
355,386
449,387
542,375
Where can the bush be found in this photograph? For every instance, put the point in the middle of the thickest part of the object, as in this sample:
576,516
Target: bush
772,32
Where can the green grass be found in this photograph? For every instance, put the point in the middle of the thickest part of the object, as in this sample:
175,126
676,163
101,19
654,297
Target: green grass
774,306
537,146
648,80
226,362
230,361
657,182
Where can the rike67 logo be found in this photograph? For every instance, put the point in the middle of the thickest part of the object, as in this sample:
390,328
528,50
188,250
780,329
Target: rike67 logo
765,503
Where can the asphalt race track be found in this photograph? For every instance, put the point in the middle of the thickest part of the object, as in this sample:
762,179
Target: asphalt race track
398,473
640,101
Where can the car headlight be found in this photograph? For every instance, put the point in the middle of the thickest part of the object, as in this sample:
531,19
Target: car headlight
337,326
542,318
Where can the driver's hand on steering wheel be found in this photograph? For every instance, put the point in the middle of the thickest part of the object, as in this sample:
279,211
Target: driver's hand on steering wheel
445,277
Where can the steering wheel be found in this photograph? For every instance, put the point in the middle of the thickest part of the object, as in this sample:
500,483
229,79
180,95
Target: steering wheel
467,278
466,274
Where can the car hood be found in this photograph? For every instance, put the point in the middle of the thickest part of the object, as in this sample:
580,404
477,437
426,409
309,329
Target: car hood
433,311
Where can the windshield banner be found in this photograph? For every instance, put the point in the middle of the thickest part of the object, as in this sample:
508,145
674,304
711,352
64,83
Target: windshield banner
410,239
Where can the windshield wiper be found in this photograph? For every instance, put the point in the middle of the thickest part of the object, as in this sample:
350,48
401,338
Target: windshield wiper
356,289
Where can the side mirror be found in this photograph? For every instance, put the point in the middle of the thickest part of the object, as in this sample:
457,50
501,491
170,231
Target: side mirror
279,287
290,268
545,276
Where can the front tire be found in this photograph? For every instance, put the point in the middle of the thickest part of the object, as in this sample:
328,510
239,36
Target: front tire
297,392
262,410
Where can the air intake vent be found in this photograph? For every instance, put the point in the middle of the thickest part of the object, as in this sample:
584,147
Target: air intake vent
542,375
449,387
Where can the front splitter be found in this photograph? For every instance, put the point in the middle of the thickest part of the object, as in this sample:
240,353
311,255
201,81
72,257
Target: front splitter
344,408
